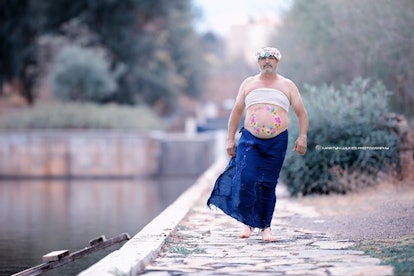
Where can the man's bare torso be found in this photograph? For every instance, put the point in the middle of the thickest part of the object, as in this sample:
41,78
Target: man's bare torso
266,120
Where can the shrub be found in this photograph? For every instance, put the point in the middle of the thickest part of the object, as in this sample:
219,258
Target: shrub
350,139
83,115
80,74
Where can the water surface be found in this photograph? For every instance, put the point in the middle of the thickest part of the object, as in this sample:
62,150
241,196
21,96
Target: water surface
40,216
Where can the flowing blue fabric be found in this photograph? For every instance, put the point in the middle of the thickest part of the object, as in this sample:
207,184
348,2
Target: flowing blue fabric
246,190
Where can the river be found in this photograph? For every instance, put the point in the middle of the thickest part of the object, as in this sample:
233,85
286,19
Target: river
40,216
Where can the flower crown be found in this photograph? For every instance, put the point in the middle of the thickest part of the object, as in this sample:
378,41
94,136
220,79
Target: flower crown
267,52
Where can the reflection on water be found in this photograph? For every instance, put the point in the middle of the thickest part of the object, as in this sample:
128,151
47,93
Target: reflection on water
37,217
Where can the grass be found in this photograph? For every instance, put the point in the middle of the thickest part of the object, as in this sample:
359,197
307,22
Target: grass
82,115
398,253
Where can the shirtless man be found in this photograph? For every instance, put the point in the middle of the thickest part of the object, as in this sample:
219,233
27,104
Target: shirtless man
265,98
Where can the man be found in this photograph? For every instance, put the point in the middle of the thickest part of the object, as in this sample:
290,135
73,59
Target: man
246,190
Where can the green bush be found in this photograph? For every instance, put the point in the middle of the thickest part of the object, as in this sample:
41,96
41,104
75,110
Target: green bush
80,74
350,139
83,115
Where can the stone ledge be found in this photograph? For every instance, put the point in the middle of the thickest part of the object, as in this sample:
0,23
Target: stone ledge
139,251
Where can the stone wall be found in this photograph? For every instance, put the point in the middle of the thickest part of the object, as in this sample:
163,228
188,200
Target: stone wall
102,153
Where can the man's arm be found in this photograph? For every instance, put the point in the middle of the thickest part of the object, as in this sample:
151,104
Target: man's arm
300,111
234,120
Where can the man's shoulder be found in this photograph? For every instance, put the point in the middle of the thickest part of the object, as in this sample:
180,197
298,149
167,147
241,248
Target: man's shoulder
250,79
247,82
287,82
285,79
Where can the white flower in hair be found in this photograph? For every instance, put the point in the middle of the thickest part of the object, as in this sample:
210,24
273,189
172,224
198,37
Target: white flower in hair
267,52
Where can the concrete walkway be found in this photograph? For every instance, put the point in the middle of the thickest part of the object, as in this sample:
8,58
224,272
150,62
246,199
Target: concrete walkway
206,242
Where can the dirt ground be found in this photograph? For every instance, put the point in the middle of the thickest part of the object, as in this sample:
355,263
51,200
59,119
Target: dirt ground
379,213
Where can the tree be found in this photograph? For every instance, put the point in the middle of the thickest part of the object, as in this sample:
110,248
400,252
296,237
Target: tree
352,138
336,41
81,75
17,35
153,40
21,22
156,42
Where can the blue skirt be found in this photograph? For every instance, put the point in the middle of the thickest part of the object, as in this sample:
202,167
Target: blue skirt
246,190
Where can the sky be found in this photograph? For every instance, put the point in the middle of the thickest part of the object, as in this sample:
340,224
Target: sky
219,15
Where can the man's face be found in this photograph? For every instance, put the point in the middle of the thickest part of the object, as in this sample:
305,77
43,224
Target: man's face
267,64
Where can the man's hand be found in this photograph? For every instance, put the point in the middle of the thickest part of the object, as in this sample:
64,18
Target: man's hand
231,147
300,145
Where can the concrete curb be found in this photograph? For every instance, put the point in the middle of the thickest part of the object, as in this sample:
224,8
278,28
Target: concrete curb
140,250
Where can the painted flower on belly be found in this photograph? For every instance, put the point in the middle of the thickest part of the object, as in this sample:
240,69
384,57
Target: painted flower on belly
278,120
268,130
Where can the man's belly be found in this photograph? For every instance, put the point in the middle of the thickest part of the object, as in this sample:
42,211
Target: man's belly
266,120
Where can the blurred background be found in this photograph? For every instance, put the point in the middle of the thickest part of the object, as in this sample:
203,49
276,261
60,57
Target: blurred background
98,100
186,58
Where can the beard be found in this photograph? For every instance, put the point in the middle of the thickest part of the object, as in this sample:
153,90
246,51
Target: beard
268,69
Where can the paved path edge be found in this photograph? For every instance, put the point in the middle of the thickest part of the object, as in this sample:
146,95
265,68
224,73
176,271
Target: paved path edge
143,247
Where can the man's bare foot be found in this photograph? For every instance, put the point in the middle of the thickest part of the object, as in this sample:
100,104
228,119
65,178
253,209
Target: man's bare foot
267,235
247,231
